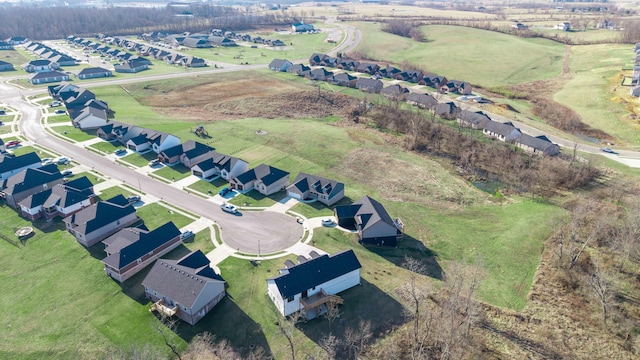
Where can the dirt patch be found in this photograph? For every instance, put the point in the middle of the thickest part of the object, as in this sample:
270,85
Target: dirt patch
247,98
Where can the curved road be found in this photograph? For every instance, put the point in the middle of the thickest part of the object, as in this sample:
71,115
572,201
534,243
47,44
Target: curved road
275,231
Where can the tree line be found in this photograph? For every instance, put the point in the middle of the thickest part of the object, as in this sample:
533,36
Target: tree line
54,23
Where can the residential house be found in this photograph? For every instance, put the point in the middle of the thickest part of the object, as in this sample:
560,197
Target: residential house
57,91
320,74
173,58
424,101
193,62
313,187
473,119
93,72
389,72
44,77
413,76
323,60
132,249
344,79
60,200
39,65
456,86
433,80
90,118
298,69
301,27
369,85
371,221
446,110
3,148
347,64
106,132
28,182
16,40
311,285
172,155
395,92
5,46
132,66
263,178
539,145
368,68
501,131
5,66
564,26
196,153
62,60
635,91
279,65
94,223
139,143
221,41
188,288
216,164
11,165
76,99
196,43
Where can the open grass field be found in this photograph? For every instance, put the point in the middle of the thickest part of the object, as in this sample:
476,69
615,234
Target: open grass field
255,199
460,53
140,160
74,133
107,147
17,57
173,173
594,90
299,46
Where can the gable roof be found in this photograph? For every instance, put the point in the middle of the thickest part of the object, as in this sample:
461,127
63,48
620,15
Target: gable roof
100,214
9,163
183,280
31,178
317,184
93,70
541,142
314,272
48,75
422,99
130,244
278,63
265,173
502,129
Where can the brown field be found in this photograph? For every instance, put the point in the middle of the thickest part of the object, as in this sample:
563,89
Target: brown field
237,99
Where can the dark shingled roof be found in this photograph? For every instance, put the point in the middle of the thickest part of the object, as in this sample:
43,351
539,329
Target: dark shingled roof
131,244
368,210
319,185
8,163
182,280
267,174
100,214
30,178
315,272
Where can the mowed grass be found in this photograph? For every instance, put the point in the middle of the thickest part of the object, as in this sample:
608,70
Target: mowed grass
155,215
58,302
107,147
73,133
173,173
140,160
486,58
16,57
594,90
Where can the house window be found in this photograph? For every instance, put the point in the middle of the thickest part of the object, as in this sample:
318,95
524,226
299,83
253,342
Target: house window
290,299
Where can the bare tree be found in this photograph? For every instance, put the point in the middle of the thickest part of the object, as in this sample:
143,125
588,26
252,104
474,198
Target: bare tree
333,312
287,327
357,339
600,283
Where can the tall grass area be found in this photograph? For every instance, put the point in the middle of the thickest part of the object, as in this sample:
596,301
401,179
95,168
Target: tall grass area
481,57
593,86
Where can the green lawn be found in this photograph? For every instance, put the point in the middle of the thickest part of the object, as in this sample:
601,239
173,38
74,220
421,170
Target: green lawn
16,57
107,194
155,215
255,199
58,119
74,133
201,241
140,160
107,146
461,53
594,82
204,186
317,209
173,173
94,179
58,302
299,46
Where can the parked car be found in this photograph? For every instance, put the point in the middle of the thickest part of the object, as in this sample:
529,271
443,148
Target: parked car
231,209
186,234
328,222
62,160
13,143
46,161
55,104
66,173
132,199
224,191
60,111
154,162
120,152
608,150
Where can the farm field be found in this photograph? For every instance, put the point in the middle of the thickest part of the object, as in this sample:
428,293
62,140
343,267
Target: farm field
447,52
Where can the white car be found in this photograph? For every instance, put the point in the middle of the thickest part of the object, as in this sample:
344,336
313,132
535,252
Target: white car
186,234
46,161
231,209
62,160
328,222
